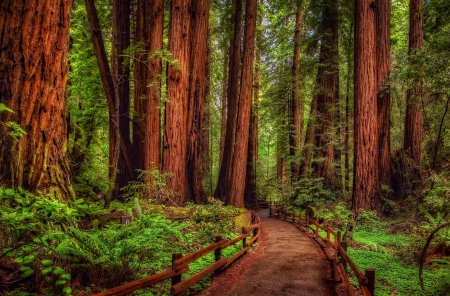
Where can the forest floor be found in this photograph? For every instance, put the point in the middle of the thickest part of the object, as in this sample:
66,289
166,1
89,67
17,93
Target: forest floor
286,262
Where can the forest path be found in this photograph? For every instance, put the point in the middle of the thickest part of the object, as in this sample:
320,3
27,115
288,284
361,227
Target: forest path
286,262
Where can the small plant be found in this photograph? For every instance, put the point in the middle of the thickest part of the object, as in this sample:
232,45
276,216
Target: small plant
151,185
15,131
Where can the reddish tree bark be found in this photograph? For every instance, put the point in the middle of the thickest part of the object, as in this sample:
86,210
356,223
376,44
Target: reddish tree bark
366,185
250,182
147,83
239,167
118,154
176,112
223,183
33,71
383,52
206,120
414,118
197,74
120,69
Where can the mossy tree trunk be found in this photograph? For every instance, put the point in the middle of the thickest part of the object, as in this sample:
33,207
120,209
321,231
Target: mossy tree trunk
33,71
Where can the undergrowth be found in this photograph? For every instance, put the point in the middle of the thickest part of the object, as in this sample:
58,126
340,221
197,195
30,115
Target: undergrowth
53,253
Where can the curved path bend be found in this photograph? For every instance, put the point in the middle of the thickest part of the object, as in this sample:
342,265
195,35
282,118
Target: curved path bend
286,262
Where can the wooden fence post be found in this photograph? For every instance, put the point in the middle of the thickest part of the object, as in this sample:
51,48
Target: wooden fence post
328,233
176,279
344,263
317,226
244,240
370,275
217,254
337,240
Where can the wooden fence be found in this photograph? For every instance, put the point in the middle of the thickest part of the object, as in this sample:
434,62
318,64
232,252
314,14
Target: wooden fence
180,264
366,281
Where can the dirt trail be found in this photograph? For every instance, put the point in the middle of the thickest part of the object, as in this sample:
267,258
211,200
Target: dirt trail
287,262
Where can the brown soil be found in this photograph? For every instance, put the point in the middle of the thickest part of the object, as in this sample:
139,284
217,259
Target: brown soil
286,262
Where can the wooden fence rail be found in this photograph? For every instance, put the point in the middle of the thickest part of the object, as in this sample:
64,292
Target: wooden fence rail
180,264
366,281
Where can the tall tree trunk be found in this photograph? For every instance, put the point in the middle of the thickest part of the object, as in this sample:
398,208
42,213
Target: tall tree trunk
383,52
111,94
366,185
250,182
225,174
206,120
33,70
328,96
147,83
239,168
176,112
223,108
296,124
120,69
197,74
414,118
308,149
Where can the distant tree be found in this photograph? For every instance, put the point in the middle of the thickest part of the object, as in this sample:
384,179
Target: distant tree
414,117
328,94
33,72
296,124
250,183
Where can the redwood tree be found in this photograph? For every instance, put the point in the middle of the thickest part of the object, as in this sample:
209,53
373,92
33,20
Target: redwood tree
366,185
223,185
33,72
199,11
328,92
147,83
383,66
414,118
176,112
239,167
296,124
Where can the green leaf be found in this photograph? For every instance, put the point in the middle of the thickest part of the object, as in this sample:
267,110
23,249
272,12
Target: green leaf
66,276
60,282
47,262
46,270
67,290
58,270
27,273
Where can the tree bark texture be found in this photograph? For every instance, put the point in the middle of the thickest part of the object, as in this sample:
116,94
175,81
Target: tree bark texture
176,112
250,196
383,52
328,93
197,78
414,117
223,183
206,120
296,124
239,168
112,97
147,84
120,69
366,185
33,70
